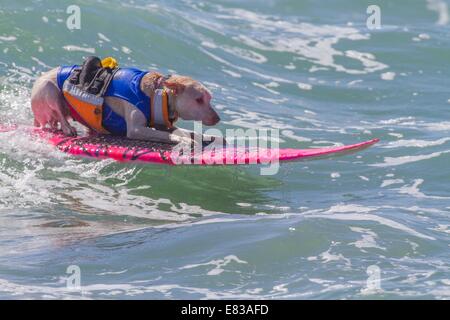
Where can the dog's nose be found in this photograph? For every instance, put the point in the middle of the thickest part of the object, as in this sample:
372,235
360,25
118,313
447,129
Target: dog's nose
212,120
216,119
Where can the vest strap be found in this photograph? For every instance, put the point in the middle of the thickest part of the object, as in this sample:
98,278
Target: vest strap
85,88
159,109
87,106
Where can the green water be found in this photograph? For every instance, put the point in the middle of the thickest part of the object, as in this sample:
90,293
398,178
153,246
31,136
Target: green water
314,230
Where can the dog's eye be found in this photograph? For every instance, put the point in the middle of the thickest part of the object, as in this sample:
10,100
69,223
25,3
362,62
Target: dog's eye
199,100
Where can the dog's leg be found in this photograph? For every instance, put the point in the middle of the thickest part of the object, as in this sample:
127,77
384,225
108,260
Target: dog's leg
137,129
55,100
48,104
137,126
198,137
58,106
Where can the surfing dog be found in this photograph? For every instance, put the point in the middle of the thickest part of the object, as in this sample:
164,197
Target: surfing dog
136,104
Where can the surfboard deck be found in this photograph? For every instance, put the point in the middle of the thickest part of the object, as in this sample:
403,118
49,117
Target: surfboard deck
126,150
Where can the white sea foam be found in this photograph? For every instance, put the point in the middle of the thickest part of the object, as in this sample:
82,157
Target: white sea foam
441,8
410,122
437,126
309,42
397,161
351,83
327,257
39,62
335,175
219,264
304,86
320,281
357,212
265,87
103,37
313,122
245,54
232,73
273,100
106,273
255,120
87,190
313,43
244,204
126,50
413,190
368,239
445,228
145,288
8,38
244,69
291,135
389,182
281,288
81,49
375,218
416,143
389,76
290,66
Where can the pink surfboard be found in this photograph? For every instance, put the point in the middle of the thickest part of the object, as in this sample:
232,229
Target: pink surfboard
126,150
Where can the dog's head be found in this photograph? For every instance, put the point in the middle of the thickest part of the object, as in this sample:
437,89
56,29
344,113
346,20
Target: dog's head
192,100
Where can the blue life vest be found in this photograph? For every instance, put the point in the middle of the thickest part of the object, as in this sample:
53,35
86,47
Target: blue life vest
125,85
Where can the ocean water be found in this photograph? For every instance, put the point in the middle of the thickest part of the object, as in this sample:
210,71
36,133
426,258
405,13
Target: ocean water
372,225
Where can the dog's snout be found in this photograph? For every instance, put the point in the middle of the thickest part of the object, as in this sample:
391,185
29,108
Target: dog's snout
215,119
212,120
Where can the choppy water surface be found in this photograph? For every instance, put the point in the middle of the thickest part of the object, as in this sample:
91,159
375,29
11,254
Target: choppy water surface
315,230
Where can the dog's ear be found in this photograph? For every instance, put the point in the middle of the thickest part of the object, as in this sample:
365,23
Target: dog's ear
176,86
